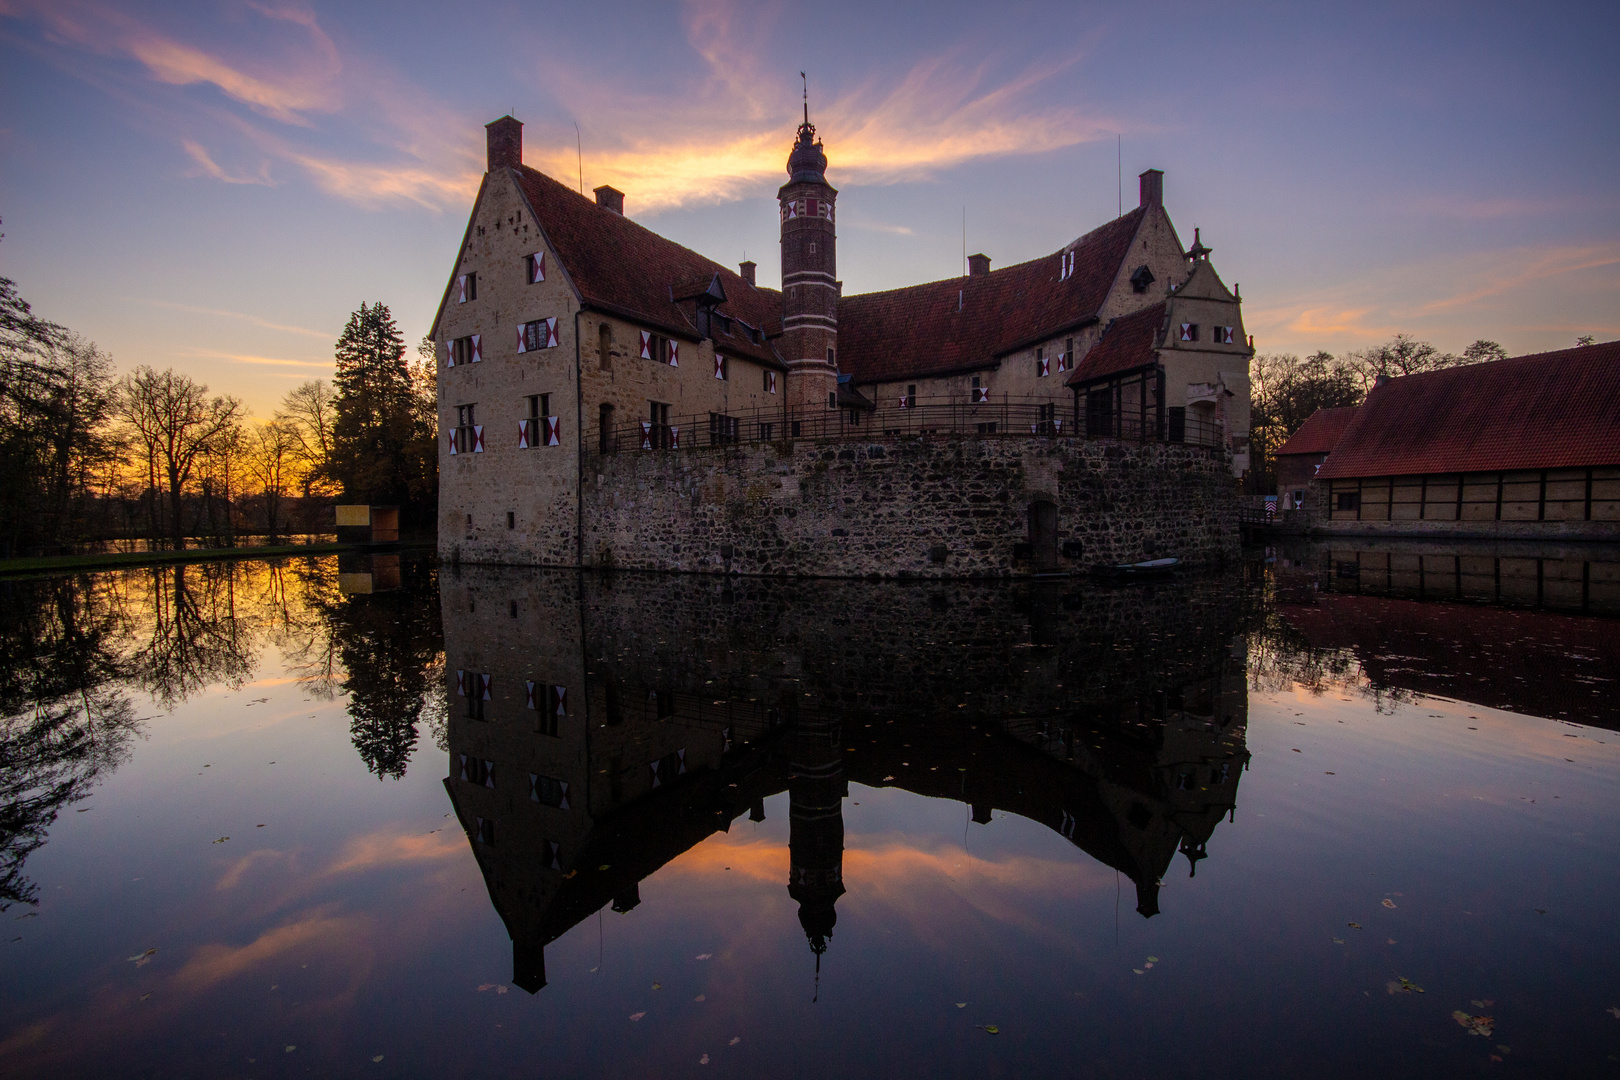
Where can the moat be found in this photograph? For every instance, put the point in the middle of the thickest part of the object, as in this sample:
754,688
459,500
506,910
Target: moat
1338,809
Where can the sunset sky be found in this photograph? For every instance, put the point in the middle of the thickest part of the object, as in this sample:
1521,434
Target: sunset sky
214,186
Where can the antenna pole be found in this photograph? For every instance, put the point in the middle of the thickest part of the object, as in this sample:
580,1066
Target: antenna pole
579,152
964,241
1119,170
806,80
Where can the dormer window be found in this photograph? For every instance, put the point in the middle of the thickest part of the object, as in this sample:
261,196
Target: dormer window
467,288
1141,279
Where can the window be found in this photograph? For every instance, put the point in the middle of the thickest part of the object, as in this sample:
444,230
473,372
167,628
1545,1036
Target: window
668,767
663,703
1178,423
539,334
467,288
812,247
548,791
1047,423
911,396
475,689
1043,366
854,417
464,350
657,435
721,323
766,431
547,702
478,771
770,382
1189,331
468,437
534,267
723,430
832,399
722,368
1349,500
485,831
1299,499
604,347
832,356
658,348
604,426
511,523
1100,413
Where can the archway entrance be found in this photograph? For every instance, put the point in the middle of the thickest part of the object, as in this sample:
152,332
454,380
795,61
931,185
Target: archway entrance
1043,546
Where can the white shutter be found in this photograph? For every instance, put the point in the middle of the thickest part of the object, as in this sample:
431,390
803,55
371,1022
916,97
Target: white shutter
450,354
537,267
477,353
478,438
523,434
520,338
461,284
646,345
674,353
551,333
553,436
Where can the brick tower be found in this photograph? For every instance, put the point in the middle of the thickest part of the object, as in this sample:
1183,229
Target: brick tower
809,275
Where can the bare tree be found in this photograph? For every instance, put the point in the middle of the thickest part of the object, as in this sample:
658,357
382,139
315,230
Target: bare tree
271,454
309,412
175,423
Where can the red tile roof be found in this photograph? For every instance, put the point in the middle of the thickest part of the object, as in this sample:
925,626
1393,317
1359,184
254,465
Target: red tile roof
966,324
1320,433
630,270
1552,410
1128,342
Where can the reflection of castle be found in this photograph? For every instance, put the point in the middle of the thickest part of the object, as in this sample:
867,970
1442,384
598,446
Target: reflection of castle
601,727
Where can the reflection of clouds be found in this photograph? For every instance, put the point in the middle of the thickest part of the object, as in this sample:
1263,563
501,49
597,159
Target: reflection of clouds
232,877
376,850
340,936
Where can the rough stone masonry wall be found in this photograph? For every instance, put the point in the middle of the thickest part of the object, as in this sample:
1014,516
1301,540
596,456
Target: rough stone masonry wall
934,507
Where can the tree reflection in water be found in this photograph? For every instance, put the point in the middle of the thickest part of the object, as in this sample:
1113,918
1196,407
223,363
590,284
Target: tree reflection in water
78,653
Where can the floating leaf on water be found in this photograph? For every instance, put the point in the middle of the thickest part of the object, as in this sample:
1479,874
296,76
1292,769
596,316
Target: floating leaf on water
961,1004
486,986
1355,926
704,1060
1338,941
658,986
886,778
735,1039
1485,1004
1153,959
990,1029
290,1049
144,996
1137,970
637,1016
221,840
142,959
604,866
1615,1011
1296,750
704,956
376,1059
700,997
1500,1049
500,989
1388,902
1476,1025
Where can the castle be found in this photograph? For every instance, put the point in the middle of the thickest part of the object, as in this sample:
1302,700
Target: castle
576,347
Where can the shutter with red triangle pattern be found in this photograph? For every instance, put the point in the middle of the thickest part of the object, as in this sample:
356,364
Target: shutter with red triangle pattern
553,431
478,438
551,333
523,337
674,353
523,434
537,267
674,438
528,696
719,366
646,435
646,345
450,354
461,284
1043,367
452,434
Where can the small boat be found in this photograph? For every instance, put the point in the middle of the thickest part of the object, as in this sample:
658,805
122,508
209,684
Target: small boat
1150,569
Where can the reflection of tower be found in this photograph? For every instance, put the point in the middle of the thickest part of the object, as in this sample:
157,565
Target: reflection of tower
816,830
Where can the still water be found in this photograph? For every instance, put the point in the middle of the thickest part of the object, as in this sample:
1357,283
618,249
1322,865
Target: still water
1334,812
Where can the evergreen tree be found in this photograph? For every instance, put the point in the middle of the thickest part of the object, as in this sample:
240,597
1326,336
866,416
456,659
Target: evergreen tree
374,425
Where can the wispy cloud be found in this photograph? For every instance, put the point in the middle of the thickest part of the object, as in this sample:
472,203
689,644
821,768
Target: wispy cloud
211,168
255,320
248,358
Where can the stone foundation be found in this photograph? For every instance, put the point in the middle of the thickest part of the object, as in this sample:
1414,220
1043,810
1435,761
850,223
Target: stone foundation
935,507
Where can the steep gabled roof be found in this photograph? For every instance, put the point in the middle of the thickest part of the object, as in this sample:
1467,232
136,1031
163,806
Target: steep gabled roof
619,266
1128,343
966,324
1547,411
1320,433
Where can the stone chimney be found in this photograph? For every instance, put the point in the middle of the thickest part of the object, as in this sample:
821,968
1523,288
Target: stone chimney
978,265
746,269
610,197
1153,187
505,143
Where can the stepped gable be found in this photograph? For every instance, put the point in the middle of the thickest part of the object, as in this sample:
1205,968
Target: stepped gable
1551,410
625,268
1320,433
1128,343
967,323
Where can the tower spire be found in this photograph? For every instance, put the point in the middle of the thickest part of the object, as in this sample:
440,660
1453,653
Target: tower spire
806,81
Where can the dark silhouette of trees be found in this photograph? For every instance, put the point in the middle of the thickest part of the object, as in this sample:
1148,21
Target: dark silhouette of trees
383,446
175,426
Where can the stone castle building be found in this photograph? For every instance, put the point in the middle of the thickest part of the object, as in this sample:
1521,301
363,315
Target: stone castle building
569,336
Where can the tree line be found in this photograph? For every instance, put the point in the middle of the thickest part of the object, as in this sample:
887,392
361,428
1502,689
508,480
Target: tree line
1286,389
91,455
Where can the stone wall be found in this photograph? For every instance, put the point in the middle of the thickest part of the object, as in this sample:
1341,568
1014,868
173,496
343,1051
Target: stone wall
927,507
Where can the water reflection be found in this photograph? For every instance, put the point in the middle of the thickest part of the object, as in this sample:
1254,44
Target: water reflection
77,653
1506,627
601,726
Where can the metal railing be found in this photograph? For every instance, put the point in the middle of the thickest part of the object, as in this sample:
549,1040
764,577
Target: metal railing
1004,418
